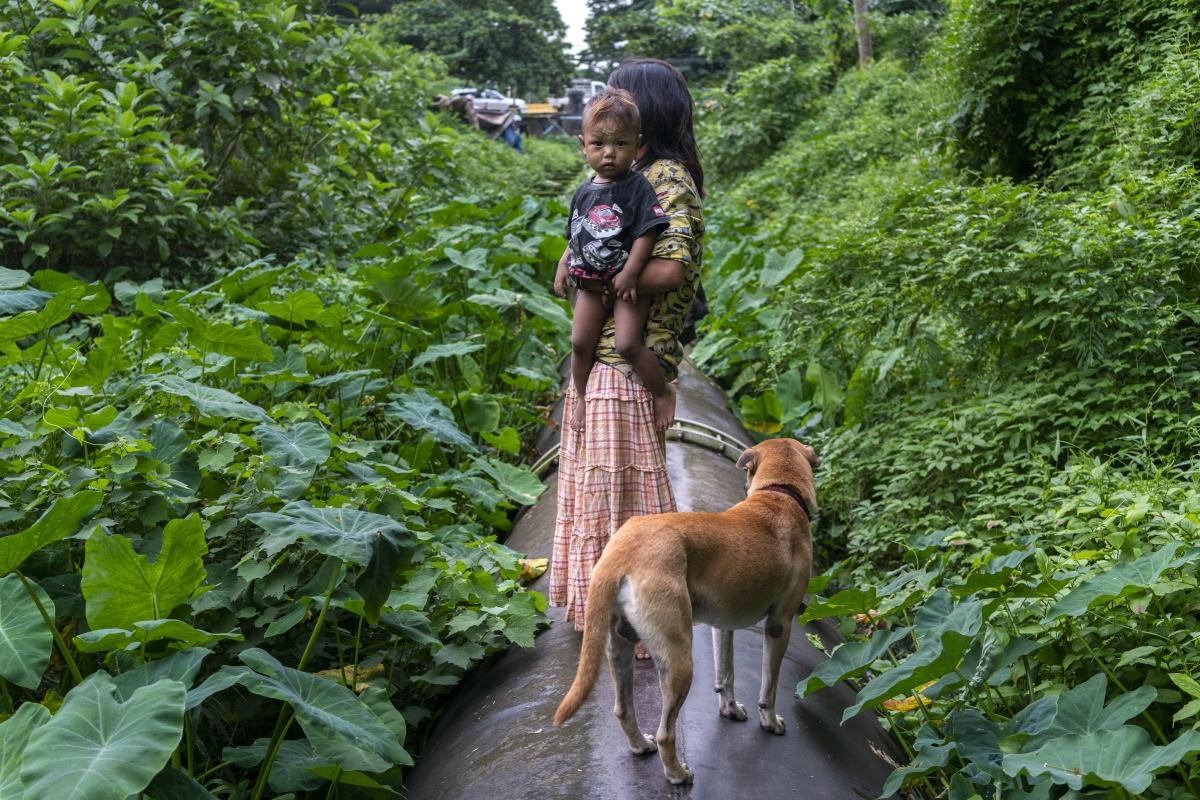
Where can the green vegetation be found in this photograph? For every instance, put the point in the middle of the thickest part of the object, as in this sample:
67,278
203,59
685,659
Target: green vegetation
967,273
502,44
273,338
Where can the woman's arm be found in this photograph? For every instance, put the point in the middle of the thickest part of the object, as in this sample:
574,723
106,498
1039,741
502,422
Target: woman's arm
661,275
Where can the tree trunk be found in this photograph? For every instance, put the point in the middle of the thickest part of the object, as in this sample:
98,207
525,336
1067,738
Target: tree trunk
866,46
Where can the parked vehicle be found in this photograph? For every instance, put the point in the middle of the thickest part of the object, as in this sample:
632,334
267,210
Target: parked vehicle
489,101
585,88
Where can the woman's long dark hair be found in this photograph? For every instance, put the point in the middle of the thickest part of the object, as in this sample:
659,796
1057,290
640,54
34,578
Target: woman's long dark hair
662,97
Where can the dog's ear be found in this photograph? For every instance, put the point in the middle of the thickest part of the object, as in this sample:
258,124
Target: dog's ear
812,456
748,460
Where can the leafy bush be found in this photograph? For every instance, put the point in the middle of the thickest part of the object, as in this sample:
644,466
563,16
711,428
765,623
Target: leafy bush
1038,81
316,455
200,136
1001,379
743,125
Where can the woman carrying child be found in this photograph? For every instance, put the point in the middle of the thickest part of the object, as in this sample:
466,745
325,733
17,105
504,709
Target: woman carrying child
612,463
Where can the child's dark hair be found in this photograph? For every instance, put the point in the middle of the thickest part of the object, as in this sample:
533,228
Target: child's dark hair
662,97
613,105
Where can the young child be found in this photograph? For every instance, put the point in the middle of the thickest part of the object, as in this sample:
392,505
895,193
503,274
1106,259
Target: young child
614,220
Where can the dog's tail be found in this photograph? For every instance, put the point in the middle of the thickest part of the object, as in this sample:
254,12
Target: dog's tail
601,595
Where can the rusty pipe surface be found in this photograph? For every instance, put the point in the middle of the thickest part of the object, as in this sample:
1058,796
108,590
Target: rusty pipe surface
494,739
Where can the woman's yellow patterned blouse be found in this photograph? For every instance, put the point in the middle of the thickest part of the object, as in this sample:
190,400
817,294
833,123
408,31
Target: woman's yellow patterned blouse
682,240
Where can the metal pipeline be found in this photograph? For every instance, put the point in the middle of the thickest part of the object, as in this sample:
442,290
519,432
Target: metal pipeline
494,739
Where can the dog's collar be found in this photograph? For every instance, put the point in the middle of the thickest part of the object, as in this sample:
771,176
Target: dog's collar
783,488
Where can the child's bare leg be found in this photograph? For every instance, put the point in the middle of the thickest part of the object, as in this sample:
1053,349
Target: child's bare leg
630,319
587,323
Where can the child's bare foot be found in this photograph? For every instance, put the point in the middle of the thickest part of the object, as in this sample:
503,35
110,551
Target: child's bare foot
578,414
664,409
640,652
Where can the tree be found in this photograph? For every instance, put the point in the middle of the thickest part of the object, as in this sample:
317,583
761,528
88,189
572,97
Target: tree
517,44
866,46
620,29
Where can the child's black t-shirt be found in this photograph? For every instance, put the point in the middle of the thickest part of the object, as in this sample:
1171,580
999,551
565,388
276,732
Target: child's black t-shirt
606,219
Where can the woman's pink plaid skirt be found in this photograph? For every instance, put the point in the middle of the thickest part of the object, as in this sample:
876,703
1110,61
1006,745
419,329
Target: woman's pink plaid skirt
616,468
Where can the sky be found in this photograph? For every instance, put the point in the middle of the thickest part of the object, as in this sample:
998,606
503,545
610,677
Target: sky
574,13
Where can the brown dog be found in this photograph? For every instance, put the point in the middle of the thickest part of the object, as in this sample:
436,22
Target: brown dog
661,574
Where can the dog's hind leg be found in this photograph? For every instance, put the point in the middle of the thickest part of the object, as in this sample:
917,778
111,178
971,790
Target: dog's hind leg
675,680
666,628
729,707
777,630
620,665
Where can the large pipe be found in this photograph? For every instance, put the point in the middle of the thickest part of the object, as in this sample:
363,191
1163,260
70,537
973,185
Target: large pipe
494,740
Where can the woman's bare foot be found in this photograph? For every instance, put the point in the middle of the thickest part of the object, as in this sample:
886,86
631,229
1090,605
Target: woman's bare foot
664,409
578,414
640,652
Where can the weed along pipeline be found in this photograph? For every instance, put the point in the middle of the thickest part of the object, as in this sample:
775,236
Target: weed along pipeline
495,738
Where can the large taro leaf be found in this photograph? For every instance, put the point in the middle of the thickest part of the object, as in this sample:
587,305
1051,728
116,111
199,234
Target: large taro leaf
518,483
1126,577
13,278
170,445
1124,757
60,521
977,739
290,770
425,412
481,412
16,301
25,640
298,307
848,660
305,444
944,633
210,401
762,413
295,453
146,631
842,604
218,682
447,350
97,748
345,533
14,737
79,297
182,666
175,784
376,581
337,723
122,587
1082,710
548,309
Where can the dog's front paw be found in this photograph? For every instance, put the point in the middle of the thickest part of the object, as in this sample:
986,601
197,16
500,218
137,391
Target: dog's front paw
647,746
770,721
684,775
734,711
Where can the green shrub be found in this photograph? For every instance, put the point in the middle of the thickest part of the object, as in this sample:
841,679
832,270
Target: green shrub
199,136
1037,81
743,125
319,455
1001,377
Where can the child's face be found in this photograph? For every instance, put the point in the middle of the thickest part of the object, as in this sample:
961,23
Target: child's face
610,150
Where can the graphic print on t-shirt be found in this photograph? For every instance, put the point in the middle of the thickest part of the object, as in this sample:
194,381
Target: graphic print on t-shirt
603,220
606,218
604,256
